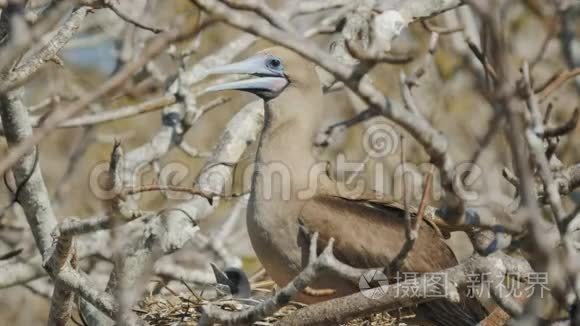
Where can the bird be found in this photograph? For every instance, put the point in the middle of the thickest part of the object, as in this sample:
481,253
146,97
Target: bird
292,191
234,279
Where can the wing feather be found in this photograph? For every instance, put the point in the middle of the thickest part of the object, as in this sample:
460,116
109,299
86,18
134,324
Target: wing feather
369,235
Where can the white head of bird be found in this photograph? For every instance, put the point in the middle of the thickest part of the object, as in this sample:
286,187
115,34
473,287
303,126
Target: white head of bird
286,81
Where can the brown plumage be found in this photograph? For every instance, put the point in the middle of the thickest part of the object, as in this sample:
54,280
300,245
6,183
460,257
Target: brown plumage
291,187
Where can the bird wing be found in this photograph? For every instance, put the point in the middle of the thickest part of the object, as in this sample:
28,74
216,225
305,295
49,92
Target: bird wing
369,234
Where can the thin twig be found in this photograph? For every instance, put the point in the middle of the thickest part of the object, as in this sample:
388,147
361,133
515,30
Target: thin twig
412,228
555,82
111,5
440,30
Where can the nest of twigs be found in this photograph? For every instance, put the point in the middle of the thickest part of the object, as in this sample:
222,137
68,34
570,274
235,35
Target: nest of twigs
185,309
171,310
169,306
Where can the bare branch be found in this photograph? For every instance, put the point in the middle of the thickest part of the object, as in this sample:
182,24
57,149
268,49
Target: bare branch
411,228
47,53
115,8
339,310
155,47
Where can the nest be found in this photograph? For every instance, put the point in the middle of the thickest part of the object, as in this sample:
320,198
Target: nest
185,310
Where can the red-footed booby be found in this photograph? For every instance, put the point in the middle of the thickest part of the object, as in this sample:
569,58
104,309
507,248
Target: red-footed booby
290,188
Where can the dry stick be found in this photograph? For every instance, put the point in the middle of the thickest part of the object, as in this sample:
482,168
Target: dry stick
158,45
118,114
536,145
411,227
133,110
16,193
173,271
118,211
405,84
114,7
261,8
336,311
82,285
24,71
24,37
148,188
481,57
552,141
191,151
11,254
555,82
360,117
356,51
73,226
116,208
31,196
50,101
34,199
562,129
510,177
331,22
413,79
440,30
309,7
150,105
257,275
63,297
357,171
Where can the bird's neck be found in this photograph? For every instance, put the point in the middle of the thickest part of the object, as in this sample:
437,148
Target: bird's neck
285,161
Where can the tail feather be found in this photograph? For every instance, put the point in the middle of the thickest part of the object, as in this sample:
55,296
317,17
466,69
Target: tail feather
468,311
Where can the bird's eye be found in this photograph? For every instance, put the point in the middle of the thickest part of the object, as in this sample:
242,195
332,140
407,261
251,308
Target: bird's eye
275,63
